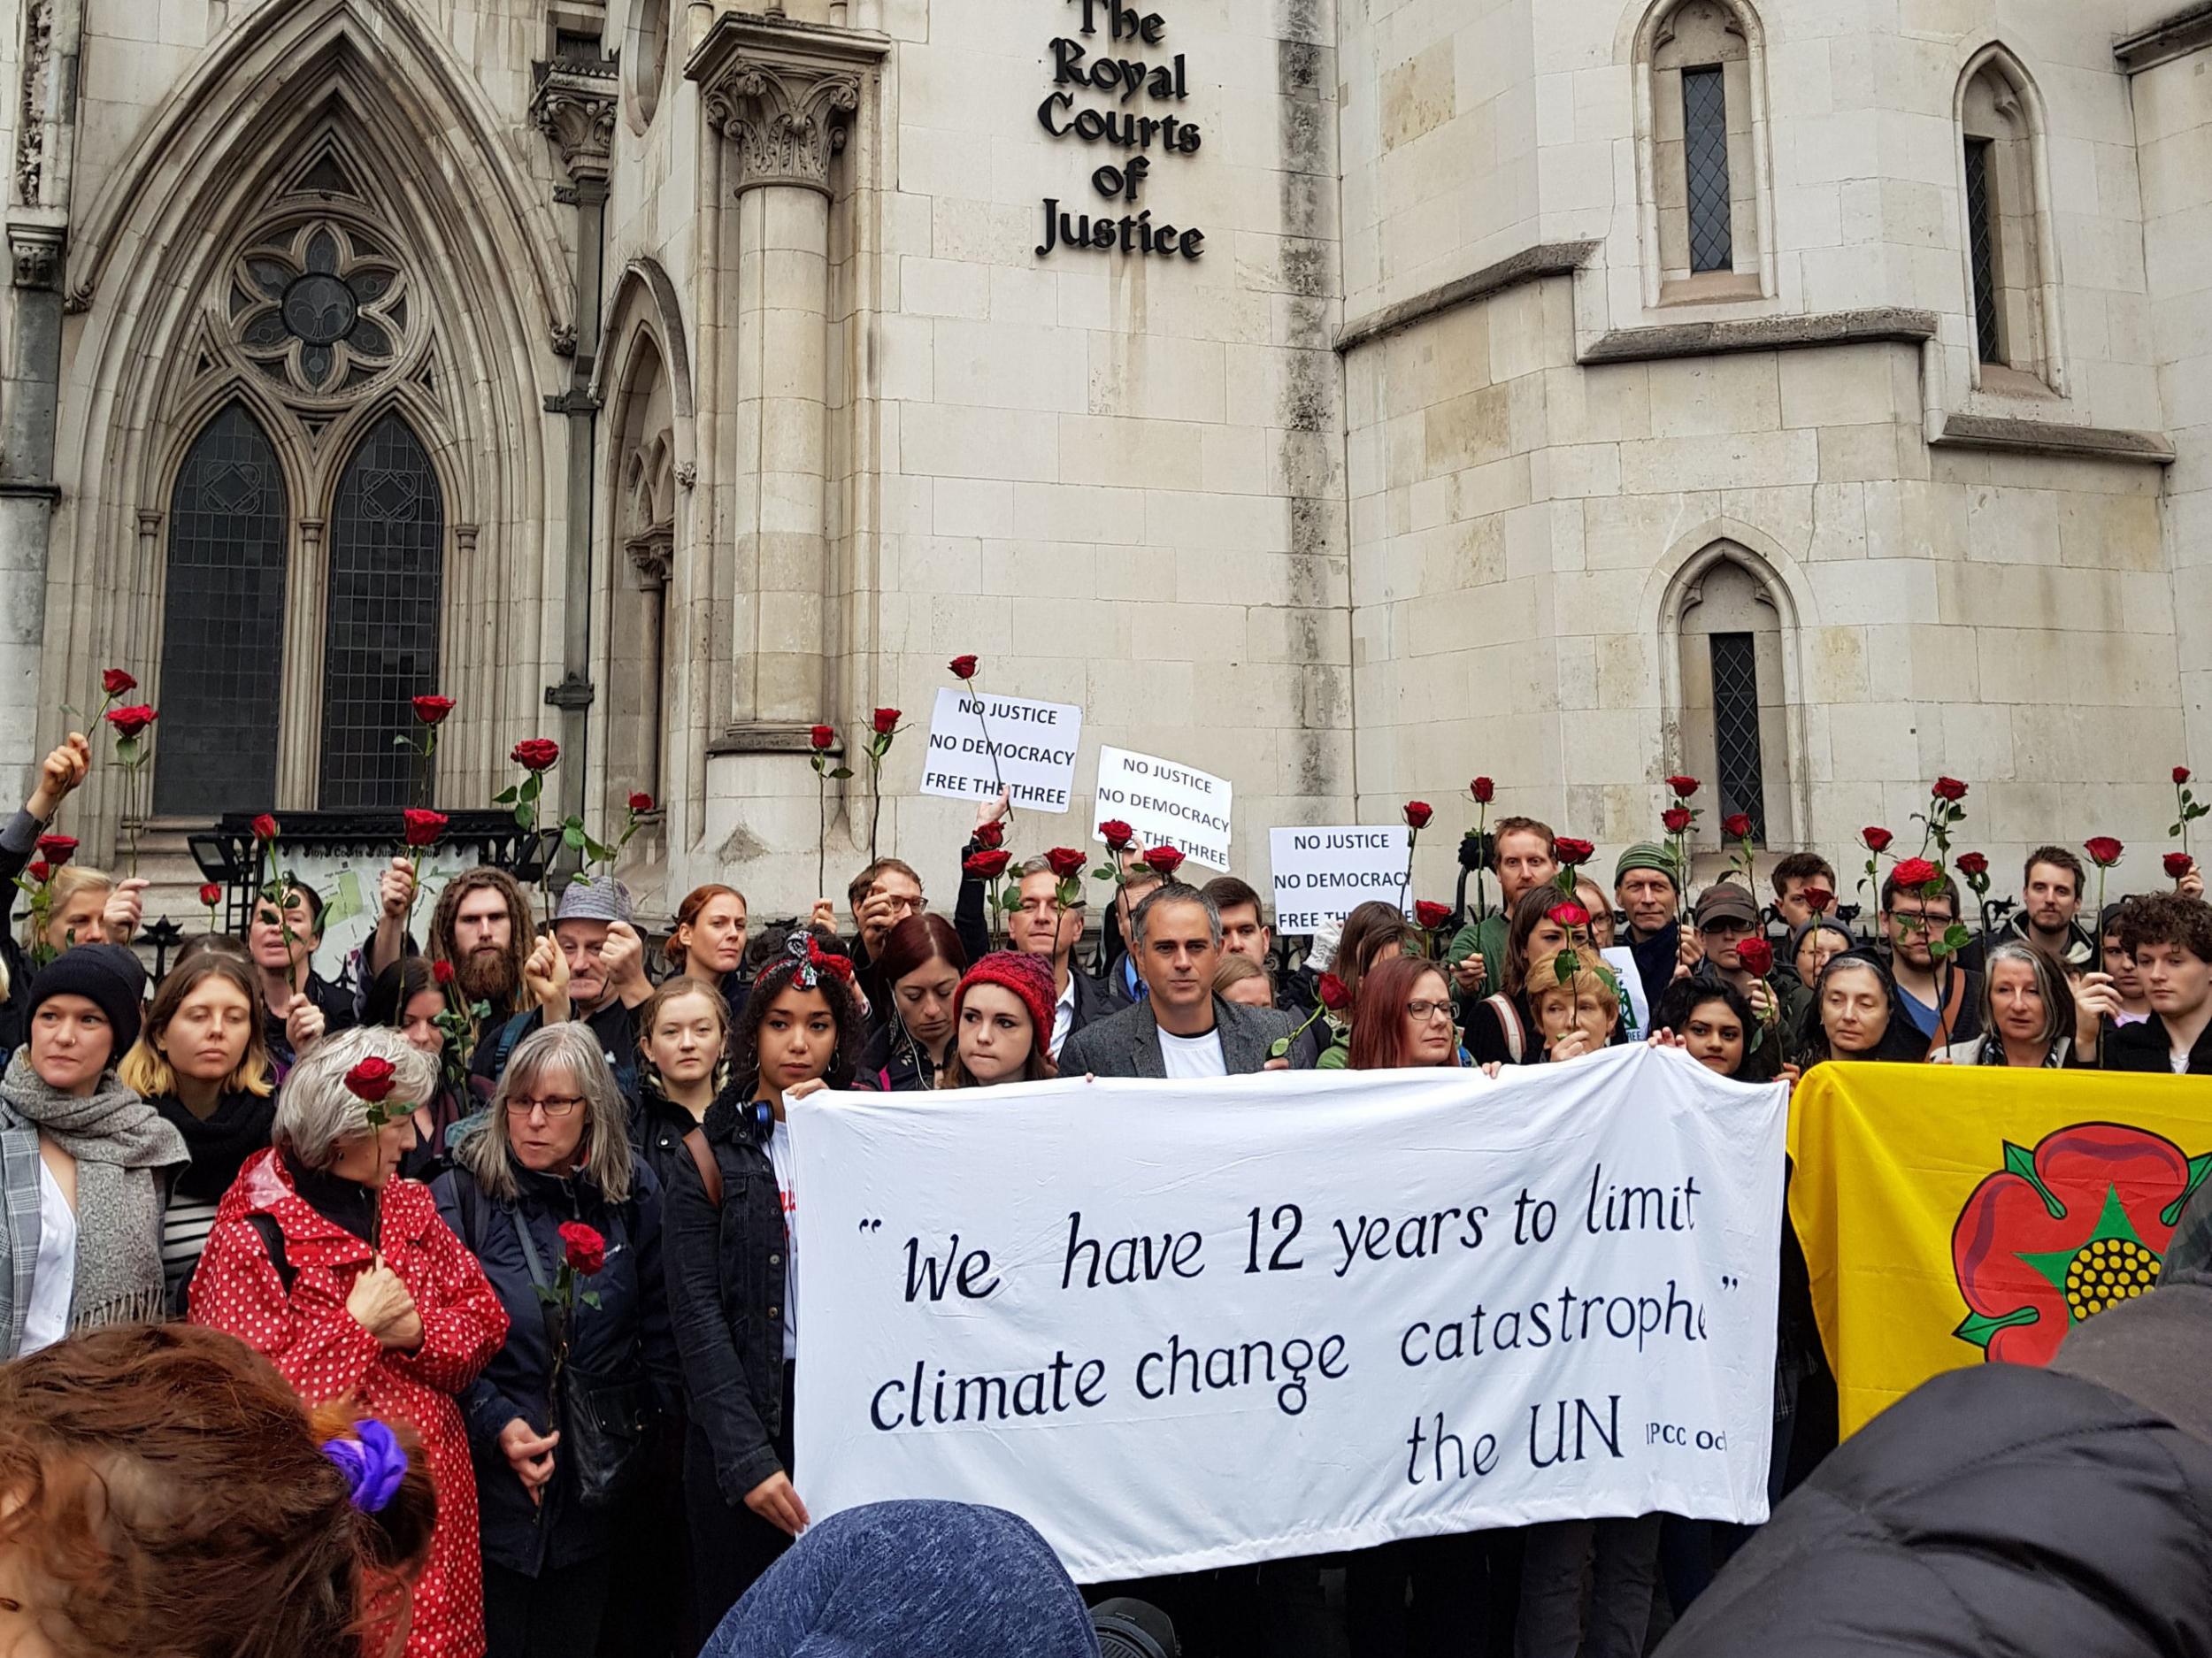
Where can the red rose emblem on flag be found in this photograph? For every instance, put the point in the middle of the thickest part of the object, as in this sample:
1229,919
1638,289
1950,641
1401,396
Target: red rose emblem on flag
963,667
1573,853
432,710
115,682
2079,1224
989,864
536,753
1875,840
1429,916
1163,861
423,828
1484,791
1116,833
1066,862
822,736
56,849
582,1249
1756,956
2103,850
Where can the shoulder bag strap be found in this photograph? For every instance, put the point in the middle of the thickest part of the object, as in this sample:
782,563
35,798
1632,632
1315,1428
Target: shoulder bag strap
1509,1024
710,1170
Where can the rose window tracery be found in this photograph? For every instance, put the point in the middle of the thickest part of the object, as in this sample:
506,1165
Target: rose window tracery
320,308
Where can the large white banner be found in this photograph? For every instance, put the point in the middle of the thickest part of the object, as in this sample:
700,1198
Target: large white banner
1168,803
979,744
1180,1325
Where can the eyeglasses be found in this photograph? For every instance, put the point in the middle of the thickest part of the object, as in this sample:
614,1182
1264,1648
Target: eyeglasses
554,1109
1419,1012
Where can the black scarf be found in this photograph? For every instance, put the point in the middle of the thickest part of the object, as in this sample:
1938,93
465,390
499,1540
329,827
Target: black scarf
344,1203
219,1146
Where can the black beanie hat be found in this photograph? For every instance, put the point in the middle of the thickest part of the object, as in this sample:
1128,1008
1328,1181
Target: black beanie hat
106,975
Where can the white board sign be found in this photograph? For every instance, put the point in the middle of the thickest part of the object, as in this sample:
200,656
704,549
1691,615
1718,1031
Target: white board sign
1325,874
1623,962
1181,1325
1167,804
981,744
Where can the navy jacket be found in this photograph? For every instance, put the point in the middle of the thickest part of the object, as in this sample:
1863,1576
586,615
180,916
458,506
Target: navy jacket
725,1275
626,1336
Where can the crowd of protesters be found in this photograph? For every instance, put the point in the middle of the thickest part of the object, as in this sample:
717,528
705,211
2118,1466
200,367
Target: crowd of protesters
528,1192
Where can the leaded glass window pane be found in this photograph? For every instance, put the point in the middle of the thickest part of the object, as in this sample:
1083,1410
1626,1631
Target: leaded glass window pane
1736,730
222,624
380,650
1981,235
1705,155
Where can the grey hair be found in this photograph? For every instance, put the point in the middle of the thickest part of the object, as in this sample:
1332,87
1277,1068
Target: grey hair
1178,892
1043,866
570,1048
318,1116
2058,999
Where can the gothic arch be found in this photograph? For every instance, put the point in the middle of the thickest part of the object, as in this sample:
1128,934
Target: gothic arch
1994,82
352,113
1674,588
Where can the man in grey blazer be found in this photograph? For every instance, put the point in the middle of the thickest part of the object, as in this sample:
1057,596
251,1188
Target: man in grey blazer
1181,1029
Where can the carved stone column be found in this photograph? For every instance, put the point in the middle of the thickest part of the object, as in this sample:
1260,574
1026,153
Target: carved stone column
783,99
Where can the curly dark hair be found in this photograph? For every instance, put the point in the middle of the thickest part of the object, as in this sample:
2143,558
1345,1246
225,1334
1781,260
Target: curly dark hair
774,979
2167,919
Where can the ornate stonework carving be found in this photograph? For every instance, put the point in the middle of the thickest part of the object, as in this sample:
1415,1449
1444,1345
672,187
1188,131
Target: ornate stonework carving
654,554
30,127
786,121
687,474
574,106
36,253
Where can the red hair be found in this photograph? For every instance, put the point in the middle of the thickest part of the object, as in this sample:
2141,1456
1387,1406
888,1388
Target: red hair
175,1497
1379,1032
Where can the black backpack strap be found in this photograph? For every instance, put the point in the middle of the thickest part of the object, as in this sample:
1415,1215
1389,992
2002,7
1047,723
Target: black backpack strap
272,1236
509,1034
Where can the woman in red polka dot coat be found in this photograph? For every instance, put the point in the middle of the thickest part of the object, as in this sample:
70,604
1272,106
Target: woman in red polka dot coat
346,1278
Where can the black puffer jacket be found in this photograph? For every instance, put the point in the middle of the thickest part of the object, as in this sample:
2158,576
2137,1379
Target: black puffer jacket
2002,1512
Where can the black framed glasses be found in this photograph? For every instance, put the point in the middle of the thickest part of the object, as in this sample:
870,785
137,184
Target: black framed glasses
554,1110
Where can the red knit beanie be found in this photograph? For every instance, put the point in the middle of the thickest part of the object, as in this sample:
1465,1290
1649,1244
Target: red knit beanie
1028,977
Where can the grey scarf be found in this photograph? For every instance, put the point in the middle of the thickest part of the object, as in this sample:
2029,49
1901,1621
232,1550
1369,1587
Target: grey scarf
123,1151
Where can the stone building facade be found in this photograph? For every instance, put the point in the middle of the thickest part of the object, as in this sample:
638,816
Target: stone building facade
1343,396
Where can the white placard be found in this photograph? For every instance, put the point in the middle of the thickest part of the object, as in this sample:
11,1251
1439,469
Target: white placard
1168,803
1623,962
1181,1325
979,744
1325,874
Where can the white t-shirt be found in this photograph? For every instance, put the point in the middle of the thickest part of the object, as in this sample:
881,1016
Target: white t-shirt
1185,1058
54,1279
1064,1017
779,1159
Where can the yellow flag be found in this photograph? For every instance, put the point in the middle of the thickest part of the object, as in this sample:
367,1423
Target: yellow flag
1975,1214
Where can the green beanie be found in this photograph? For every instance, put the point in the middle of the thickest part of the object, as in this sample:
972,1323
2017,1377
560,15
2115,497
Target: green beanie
1647,854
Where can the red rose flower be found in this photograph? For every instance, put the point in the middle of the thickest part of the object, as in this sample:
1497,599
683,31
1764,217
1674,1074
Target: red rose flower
1736,825
1756,956
1568,915
432,710
989,864
963,667
1683,786
1677,819
1484,791
2178,864
536,753
1429,914
1572,852
2063,1233
991,834
1875,840
373,1079
2181,775
1333,995
582,1249
1417,814
1973,864
822,736
1163,861
1116,833
56,849
2103,850
128,722
886,721
423,828
1948,788
264,827
442,972
115,681
1066,862
641,801
41,872
1911,874
1817,899
211,894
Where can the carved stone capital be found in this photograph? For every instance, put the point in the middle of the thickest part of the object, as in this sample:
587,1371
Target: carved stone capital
574,106
654,555
35,251
784,95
